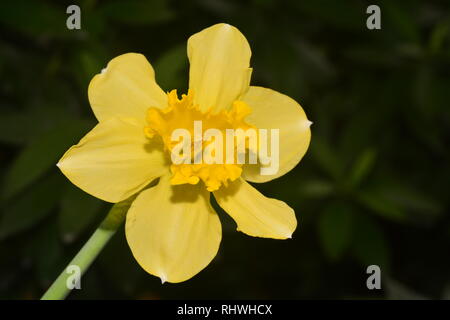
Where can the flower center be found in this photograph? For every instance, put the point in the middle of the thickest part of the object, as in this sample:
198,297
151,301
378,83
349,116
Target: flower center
182,114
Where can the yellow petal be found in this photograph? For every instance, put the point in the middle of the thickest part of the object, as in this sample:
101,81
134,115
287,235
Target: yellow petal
125,88
173,231
273,110
114,160
255,214
219,59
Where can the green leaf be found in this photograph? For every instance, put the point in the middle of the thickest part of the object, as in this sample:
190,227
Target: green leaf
438,36
316,188
32,206
335,229
420,207
78,211
378,203
369,243
400,202
41,154
362,167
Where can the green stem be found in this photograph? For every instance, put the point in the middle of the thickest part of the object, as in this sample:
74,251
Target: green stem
84,258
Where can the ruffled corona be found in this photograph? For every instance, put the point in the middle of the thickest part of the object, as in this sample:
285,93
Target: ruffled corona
181,114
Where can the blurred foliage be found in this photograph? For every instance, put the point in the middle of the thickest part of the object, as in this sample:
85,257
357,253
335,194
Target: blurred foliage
372,189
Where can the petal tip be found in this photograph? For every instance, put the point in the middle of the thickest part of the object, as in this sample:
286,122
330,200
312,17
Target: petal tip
223,25
227,26
60,164
307,124
163,278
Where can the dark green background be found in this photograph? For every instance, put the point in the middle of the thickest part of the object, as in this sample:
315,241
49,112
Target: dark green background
372,189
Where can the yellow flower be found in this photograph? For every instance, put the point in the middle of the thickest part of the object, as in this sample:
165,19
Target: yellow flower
171,227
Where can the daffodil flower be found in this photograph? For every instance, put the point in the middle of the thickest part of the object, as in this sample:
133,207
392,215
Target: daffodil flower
171,227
